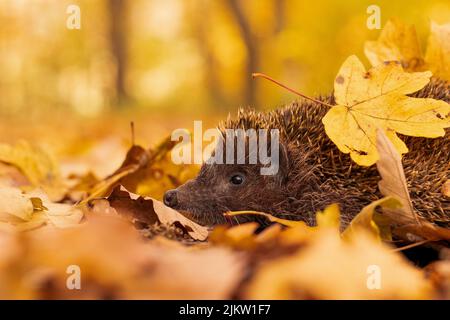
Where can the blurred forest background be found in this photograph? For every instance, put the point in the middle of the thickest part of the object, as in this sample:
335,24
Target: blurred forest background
163,63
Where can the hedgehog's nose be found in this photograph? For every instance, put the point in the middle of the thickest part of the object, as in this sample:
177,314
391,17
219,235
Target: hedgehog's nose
170,198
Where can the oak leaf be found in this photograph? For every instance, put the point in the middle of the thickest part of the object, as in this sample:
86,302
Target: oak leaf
377,99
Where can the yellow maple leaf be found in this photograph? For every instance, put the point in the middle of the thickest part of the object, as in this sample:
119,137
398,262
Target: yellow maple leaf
437,56
367,101
397,42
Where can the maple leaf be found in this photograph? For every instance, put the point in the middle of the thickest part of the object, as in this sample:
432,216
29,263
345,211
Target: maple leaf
397,42
437,56
377,99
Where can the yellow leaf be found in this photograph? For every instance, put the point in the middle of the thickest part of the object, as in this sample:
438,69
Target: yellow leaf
14,205
437,55
330,217
368,101
328,268
397,42
36,164
285,222
19,211
365,219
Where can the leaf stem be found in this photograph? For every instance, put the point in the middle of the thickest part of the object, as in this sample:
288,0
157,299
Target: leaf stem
262,75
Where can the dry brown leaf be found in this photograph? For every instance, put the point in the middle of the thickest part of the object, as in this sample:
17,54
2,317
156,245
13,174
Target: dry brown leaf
150,211
393,180
393,183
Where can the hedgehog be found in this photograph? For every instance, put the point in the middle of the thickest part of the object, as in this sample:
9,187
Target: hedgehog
313,173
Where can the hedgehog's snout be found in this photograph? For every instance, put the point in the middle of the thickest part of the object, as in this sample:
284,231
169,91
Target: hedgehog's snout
171,198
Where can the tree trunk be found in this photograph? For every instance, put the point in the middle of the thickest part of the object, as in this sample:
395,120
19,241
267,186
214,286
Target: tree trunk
251,48
117,37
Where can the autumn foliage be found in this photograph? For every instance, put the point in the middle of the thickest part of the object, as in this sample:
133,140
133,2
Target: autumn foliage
128,245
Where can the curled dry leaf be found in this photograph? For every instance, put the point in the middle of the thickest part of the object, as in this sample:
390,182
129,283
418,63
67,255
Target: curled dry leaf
135,158
150,211
393,183
148,172
377,99
366,219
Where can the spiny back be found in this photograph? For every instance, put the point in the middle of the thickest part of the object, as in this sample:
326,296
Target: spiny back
426,165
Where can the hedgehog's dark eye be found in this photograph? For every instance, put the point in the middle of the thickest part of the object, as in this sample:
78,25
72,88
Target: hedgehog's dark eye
237,179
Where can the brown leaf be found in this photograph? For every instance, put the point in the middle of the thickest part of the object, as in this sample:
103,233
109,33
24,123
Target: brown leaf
393,180
393,183
150,211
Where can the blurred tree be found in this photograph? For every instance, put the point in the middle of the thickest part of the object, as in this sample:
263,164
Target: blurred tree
279,15
252,62
211,76
117,37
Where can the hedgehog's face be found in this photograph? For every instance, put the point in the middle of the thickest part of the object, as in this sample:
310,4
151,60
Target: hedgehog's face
227,187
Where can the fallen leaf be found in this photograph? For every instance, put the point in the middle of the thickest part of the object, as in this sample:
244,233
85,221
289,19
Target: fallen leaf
376,100
271,218
151,211
115,263
26,211
329,218
328,268
437,55
37,165
365,219
135,158
393,183
393,180
14,205
397,42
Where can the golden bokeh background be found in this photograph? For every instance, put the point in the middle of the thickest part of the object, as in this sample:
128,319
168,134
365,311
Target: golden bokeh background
171,61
